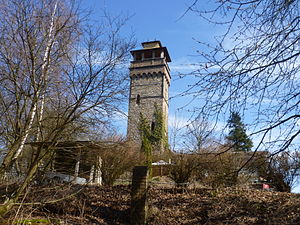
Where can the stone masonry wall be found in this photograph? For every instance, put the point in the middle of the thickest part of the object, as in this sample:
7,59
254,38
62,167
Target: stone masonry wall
152,89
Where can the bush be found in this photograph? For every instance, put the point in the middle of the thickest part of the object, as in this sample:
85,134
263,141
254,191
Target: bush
117,160
183,168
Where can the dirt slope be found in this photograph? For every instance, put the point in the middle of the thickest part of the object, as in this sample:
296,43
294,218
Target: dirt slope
111,205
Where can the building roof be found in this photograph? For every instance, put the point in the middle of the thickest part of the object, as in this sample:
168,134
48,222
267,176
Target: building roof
153,45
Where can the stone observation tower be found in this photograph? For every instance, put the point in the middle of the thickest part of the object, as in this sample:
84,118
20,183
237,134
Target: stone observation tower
149,87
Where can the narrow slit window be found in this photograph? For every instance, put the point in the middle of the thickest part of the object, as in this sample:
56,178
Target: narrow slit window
152,126
138,99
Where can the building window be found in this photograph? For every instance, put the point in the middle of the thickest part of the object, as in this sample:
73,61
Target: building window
148,55
138,56
138,99
157,53
152,126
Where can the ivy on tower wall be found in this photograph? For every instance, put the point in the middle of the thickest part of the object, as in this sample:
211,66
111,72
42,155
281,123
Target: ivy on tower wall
145,133
153,136
158,135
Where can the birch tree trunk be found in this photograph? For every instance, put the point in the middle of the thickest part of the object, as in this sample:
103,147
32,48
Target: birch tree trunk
39,90
56,70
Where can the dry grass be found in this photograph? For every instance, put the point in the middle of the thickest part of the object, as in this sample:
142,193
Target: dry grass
111,205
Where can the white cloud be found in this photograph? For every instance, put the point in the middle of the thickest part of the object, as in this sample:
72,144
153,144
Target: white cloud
177,121
183,65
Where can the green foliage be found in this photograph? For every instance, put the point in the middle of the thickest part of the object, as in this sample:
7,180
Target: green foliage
158,135
153,138
146,147
35,221
237,135
157,132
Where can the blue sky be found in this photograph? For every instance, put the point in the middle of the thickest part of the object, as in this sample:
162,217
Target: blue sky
159,20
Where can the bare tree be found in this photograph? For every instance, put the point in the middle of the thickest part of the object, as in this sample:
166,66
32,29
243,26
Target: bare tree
281,171
174,133
56,69
254,67
198,135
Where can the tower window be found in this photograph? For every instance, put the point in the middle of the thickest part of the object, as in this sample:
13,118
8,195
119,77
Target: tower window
138,56
157,53
148,55
138,99
152,126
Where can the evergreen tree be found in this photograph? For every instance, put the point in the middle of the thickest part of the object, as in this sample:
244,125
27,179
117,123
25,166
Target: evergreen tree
237,136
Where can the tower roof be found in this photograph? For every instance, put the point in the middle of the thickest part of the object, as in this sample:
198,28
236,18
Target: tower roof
153,45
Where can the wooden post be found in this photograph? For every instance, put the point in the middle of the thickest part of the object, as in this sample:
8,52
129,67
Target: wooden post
139,205
76,171
91,179
98,174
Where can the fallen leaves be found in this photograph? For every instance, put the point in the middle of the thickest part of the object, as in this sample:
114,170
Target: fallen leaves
111,205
